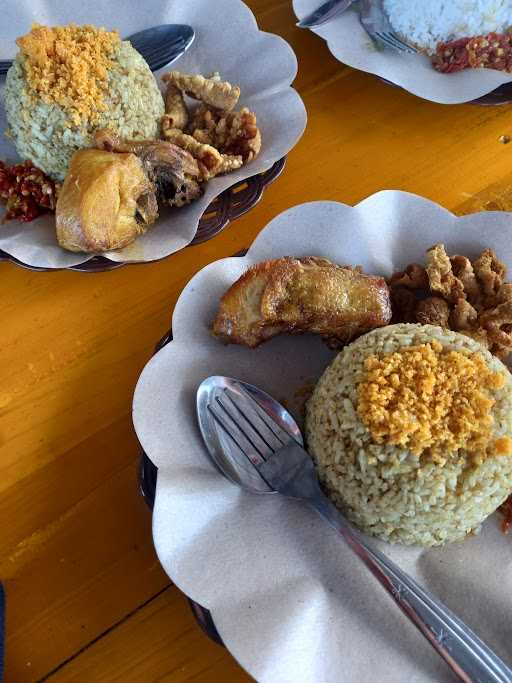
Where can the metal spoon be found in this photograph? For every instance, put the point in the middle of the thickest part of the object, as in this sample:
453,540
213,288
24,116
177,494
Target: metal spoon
326,12
256,444
159,45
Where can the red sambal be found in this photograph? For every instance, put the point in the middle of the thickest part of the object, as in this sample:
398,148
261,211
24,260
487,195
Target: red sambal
26,191
493,51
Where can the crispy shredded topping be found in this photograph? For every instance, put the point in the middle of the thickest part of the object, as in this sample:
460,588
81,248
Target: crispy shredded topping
432,401
68,66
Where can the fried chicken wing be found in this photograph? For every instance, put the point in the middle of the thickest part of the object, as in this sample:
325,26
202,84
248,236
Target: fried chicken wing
301,295
173,171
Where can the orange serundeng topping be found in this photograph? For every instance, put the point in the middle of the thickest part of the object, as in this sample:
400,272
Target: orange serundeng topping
68,66
432,401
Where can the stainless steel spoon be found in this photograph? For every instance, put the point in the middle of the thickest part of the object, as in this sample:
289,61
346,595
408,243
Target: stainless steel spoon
326,12
256,444
159,45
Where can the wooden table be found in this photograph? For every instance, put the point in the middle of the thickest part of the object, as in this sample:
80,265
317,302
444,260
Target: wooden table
87,599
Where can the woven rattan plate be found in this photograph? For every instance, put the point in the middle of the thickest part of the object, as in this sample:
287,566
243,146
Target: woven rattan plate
148,474
231,204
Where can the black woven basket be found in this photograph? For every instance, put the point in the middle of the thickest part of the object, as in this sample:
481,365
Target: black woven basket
502,94
148,473
229,205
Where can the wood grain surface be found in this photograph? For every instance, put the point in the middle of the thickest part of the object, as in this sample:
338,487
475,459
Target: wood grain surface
86,597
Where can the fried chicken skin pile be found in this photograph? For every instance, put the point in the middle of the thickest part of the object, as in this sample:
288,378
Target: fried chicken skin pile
298,295
220,138
456,293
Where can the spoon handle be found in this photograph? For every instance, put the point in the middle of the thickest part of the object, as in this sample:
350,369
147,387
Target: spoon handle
468,656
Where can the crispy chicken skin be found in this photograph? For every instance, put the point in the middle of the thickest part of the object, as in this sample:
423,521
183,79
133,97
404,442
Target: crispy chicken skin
100,199
454,292
301,295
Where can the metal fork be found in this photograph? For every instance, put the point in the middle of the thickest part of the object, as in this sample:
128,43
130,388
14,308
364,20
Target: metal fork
266,451
377,25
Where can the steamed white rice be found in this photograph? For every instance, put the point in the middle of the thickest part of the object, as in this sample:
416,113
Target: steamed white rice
429,22
384,489
41,132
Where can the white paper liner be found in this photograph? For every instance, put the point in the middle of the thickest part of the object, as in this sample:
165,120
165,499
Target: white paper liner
227,40
289,599
350,44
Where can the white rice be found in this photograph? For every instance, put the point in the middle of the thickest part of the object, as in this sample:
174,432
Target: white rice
41,131
429,22
384,489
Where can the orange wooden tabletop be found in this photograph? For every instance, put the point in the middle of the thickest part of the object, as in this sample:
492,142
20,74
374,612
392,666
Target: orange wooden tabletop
86,597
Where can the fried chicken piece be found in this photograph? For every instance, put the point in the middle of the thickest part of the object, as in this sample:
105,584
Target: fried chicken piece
501,352
440,274
497,322
433,311
505,293
234,133
105,203
413,277
174,171
176,112
490,272
230,163
301,295
184,194
463,271
208,158
463,316
403,305
211,91
152,153
211,161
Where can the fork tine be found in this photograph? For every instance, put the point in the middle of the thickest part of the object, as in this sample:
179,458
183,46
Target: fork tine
406,46
270,431
393,41
246,413
280,436
236,435
401,44
385,38
244,425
